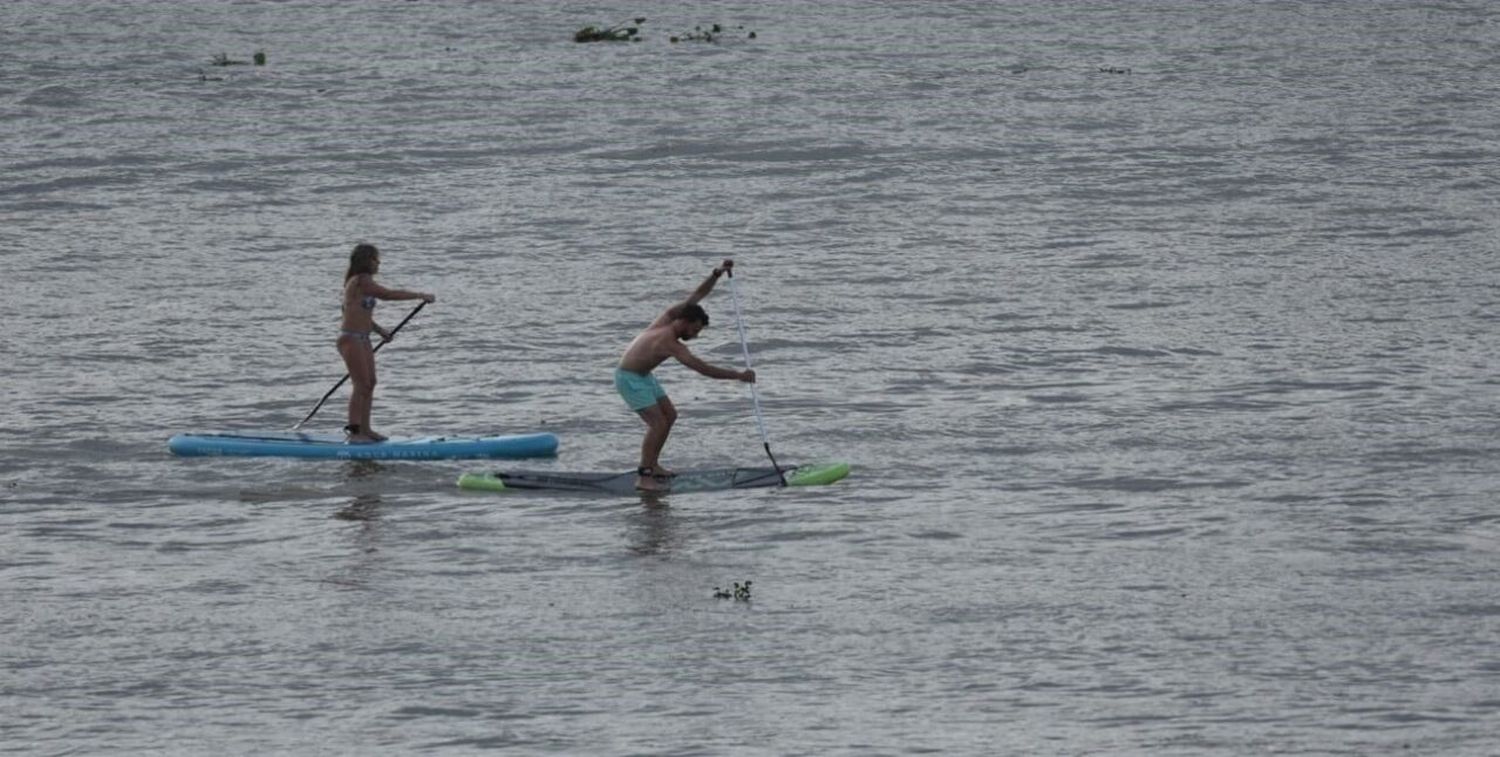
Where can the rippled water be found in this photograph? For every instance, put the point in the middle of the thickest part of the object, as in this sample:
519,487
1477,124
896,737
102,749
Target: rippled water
1170,393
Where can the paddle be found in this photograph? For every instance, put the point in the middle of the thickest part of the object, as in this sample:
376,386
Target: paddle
335,388
760,420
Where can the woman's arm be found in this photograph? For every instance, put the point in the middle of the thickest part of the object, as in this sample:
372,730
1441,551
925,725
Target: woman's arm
397,294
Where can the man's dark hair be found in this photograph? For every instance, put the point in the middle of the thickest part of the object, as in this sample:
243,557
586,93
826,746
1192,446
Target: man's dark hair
693,312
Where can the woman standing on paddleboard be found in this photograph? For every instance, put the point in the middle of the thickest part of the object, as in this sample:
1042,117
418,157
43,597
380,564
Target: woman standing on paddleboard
360,294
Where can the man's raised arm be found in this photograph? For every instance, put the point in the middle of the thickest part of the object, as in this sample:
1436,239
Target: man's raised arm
698,294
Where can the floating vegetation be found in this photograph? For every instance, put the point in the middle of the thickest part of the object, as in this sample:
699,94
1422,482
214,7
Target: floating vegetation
740,594
224,60
617,33
627,32
713,33
1113,70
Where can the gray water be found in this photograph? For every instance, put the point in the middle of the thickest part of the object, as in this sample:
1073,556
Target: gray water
1170,394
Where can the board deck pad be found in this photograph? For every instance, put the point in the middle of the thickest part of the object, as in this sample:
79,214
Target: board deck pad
334,446
707,479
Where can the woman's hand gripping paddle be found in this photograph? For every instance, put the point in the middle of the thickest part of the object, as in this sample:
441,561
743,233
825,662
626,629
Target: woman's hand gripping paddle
335,388
760,420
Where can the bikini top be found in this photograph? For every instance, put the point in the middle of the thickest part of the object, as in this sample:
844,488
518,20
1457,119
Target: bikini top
368,302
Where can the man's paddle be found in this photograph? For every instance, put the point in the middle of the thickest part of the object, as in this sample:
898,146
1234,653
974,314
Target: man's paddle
760,420
335,388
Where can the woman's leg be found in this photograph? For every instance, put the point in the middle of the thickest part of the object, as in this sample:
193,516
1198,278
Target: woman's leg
369,398
359,359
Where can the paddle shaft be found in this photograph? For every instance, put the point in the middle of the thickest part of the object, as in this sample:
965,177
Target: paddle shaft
760,420
383,343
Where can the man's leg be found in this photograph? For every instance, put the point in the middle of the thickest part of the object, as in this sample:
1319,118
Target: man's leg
669,414
659,419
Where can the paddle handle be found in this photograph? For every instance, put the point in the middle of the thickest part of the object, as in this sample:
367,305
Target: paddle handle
760,419
341,381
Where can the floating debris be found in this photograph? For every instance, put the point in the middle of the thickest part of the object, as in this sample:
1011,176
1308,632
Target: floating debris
260,57
617,33
713,33
1113,70
223,60
740,594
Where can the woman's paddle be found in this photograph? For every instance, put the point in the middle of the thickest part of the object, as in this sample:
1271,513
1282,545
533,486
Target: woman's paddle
760,420
335,388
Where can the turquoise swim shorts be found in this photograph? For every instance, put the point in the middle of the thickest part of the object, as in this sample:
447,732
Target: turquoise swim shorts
640,392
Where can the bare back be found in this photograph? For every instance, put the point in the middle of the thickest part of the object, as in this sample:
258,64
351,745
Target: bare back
358,307
651,347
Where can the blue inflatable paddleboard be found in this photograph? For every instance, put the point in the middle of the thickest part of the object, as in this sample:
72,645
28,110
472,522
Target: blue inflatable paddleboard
331,446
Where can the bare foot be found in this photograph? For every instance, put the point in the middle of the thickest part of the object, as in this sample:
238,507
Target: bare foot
376,436
652,480
362,438
650,484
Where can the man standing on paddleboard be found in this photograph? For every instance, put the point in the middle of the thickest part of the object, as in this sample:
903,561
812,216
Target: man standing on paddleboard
641,391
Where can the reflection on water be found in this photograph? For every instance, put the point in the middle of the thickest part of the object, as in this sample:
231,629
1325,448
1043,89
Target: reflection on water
364,507
365,510
358,469
653,528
